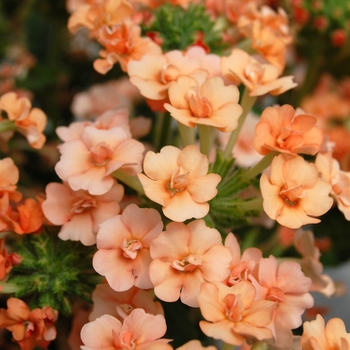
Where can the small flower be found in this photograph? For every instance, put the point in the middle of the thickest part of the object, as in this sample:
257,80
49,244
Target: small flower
293,193
138,331
282,129
204,102
179,181
184,256
123,244
233,313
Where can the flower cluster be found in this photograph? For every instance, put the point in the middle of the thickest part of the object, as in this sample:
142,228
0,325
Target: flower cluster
193,203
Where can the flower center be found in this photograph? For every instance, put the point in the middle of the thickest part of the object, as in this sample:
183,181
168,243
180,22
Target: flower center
275,294
239,273
292,195
199,105
169,73
234,307
130,248
254,73
179,180
126,341
189,263
101,154
83,204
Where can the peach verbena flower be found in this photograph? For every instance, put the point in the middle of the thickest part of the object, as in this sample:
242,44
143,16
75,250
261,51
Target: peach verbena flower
30,122
123,244
30,328
293,193
88,163
138,331
232,314
317,336
258,78
179,181
284,130
184,256
79,212
198,100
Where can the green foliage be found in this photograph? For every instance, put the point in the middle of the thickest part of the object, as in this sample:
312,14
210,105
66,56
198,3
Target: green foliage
179,28
53,272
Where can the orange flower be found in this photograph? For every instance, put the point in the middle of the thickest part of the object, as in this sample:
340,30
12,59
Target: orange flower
7,260
95,14
179,181
259,78
9,176
281,129
29,328
318,337
123,42
293,193
29,122
233,313
204,102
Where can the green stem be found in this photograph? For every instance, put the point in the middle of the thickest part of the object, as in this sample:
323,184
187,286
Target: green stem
187,135
259,167
247,103
8,288
162,130
252,204
129,180
259,345
226,346
7,125
205,138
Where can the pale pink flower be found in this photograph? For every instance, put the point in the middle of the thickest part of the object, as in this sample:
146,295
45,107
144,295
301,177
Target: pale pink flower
285,130
184,256
153,73
233,315
287,285
317,336
123,244
204,101
330,172
88,163
241,266
304,243
79,212
293,193
139,331
120,304
258,78
99,98
178,180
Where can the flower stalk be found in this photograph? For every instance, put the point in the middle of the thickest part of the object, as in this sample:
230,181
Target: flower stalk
131,181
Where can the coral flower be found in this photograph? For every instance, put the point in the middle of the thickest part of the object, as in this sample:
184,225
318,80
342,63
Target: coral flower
29,328
293,193
139,331
281,129
204,102
79,212
88,163
233,314
30,122
179,181
259,78
7,260
184,256
318,337
123,244
9,176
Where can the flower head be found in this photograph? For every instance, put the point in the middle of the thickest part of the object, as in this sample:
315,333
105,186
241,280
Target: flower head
293,193
179,181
